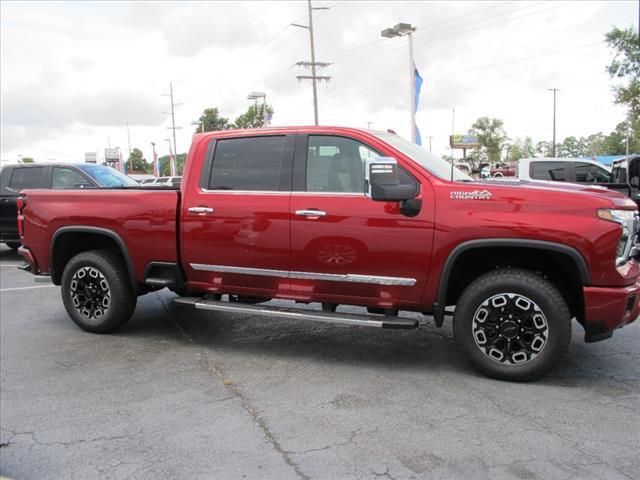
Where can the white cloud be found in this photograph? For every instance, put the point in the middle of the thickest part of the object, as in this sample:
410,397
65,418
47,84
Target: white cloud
73,74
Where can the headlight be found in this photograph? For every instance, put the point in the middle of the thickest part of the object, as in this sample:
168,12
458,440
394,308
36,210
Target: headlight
627,219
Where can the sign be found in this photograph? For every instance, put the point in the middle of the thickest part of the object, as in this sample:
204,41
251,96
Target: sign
466,142
91,157
112,154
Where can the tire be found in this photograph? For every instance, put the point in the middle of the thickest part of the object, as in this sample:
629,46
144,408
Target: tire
13,245
501,337
96,291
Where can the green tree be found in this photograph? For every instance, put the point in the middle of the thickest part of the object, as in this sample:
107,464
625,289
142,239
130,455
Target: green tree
254,117
165,166
137,163
626,66
521,148
211,120
571,147
27,160
491,135
595,145
616,142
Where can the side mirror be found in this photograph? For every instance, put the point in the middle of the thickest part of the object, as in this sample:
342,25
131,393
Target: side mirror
381,181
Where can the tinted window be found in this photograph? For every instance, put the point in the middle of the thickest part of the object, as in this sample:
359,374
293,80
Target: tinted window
247,164
336,164
549,171
26,177
590,173
67,178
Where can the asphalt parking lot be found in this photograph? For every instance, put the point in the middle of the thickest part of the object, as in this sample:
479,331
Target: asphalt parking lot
178,394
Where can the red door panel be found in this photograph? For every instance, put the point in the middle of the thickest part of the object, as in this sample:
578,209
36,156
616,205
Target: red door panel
244,231
368,249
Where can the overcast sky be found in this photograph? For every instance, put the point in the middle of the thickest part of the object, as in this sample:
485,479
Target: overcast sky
73,74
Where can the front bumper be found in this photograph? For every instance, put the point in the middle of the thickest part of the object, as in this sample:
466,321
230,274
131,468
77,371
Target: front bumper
607,309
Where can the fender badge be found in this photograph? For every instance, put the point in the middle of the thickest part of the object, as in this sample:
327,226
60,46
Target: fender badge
472,195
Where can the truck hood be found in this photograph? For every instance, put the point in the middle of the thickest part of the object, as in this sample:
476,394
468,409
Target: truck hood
542,187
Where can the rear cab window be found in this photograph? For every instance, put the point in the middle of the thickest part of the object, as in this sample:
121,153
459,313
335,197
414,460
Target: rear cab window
26,177
249,164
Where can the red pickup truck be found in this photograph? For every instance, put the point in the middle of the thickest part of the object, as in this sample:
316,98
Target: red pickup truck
340,216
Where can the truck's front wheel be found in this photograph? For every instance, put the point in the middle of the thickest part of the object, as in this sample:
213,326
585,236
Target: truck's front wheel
513,324
96,291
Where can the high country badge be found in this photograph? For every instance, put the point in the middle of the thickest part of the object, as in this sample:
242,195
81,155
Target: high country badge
471,195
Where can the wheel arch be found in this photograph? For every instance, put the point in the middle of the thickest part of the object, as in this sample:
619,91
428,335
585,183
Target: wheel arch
67,242
567,260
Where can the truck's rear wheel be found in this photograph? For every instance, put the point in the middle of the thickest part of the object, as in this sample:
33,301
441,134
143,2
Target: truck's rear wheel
97,292
513,324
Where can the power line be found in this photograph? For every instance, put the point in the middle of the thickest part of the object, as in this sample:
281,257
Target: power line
265,45
173,116
426,38
253,18
481,67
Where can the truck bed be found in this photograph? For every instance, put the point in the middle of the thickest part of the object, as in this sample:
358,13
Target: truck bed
145,219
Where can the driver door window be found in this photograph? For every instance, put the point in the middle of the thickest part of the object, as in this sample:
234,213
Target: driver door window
590,173
336,164
64,178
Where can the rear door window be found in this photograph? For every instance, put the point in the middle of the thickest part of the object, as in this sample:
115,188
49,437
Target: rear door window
26,177
249,164
556,171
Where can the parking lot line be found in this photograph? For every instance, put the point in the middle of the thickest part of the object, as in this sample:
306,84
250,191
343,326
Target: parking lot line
25,288
11,264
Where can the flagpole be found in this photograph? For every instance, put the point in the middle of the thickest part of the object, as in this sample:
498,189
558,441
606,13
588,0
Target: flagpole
156,167
412,90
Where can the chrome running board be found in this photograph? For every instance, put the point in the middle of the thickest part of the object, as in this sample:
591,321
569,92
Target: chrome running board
376,321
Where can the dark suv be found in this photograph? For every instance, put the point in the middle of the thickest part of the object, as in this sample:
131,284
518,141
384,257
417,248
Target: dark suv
14,178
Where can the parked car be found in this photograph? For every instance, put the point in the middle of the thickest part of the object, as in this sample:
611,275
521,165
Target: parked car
14,178
574,170
503,170
164,182
341,216
141,177
627,171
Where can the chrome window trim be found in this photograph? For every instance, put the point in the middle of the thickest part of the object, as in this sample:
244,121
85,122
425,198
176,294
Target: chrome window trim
332,277
276,192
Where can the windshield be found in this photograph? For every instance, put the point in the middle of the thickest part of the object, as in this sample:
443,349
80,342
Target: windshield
432,163
107,176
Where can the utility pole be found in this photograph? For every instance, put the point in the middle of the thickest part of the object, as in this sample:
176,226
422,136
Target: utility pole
430,137
313,64
173,116
129,138
369,125
553,145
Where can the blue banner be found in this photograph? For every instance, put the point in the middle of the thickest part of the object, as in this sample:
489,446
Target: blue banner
418,82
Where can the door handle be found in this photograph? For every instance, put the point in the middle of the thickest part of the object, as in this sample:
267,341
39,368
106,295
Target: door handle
206,210
310,213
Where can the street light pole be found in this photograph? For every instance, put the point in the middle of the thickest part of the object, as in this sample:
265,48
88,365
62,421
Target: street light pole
553,145
400,30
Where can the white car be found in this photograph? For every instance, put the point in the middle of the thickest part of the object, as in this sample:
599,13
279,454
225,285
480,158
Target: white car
164,182
574,170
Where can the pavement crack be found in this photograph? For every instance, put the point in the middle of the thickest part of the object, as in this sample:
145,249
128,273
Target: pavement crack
384,474
212,369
